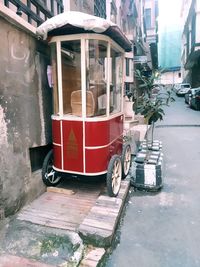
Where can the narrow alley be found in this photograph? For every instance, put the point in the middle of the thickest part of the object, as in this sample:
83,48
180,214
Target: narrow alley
81,82
163,228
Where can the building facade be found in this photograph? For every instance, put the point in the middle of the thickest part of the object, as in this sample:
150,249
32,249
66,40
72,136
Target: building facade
86,6
190,55
151,23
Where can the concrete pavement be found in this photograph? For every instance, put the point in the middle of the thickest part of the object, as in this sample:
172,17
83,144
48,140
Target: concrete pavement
163,228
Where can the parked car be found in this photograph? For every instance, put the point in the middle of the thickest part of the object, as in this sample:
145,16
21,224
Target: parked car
176,87
184,88
195,100
190,93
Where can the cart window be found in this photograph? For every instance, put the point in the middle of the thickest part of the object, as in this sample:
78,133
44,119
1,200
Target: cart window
54,77
116,81
71,77
96,53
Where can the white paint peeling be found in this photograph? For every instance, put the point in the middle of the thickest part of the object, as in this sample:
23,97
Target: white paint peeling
25,54
3,128
150,175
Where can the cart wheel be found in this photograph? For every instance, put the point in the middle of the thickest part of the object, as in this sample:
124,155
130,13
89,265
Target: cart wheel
49,175
126,160
114,176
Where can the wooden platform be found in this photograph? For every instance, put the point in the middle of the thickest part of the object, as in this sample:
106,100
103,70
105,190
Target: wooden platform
100,223
93,257
63,208
79,207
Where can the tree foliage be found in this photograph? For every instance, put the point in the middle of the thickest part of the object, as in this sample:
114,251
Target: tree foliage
151,104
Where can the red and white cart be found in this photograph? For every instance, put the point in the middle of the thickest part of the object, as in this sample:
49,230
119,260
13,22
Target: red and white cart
88,72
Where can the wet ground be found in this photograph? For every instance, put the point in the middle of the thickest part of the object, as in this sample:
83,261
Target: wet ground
163,228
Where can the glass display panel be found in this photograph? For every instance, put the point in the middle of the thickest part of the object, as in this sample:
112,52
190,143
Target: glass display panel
54,78
71,77
96,78
116,67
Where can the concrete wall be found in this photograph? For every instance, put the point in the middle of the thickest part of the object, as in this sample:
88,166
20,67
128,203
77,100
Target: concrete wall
25,109
170,77
86,6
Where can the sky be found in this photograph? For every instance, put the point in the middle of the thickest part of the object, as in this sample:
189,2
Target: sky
169,12
169,31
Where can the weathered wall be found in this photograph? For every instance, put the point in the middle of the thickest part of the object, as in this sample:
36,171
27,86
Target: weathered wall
171,77
86,6
25,109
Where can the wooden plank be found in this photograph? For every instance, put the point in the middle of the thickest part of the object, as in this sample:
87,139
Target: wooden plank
72,226
58,200
88,230
124,190
41,216
60,190
107,203
101,217
44,218
55,196
109,199
75,216
104,210
93,257
98,224
52,212
60,205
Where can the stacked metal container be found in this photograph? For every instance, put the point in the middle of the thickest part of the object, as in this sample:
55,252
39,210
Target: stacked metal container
147,166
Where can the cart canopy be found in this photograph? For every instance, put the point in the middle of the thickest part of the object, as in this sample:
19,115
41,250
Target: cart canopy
73,22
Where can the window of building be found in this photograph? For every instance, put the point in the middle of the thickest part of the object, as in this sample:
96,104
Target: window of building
147,16
188,42
100,8
127,88
113,12
127,67
193,31
179,74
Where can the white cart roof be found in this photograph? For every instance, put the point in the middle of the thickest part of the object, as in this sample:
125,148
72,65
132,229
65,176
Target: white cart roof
73,22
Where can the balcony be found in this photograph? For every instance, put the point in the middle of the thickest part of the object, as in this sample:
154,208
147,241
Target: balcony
35,11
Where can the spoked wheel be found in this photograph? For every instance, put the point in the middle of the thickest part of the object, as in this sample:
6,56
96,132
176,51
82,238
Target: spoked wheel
126,160
114,176
49,176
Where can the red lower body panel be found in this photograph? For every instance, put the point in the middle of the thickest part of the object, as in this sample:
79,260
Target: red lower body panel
73,146
57,156
97,160
86,149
